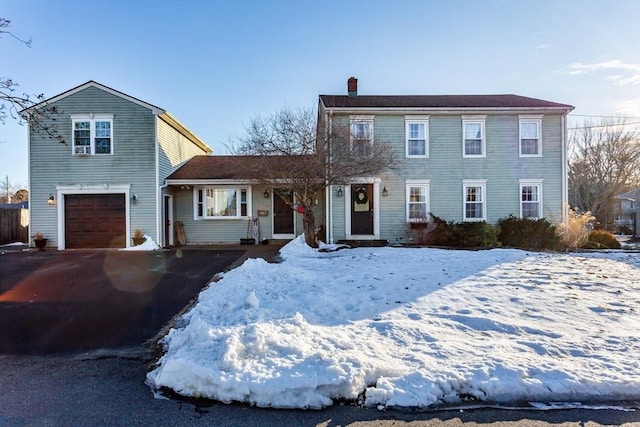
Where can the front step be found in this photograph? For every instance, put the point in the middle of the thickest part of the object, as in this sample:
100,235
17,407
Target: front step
364,243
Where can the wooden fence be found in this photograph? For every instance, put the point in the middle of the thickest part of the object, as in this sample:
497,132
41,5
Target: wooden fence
14,225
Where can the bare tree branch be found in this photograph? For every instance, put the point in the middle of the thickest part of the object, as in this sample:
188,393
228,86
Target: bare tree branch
604,162
24,107
294,157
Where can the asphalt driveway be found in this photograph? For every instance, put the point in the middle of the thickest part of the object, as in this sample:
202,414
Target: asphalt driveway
80,301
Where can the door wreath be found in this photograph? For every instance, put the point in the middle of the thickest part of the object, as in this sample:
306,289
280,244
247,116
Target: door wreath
360,199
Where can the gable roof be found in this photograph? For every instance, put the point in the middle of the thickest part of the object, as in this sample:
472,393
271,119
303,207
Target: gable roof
630,195
160,112
231,168
439,102
91,83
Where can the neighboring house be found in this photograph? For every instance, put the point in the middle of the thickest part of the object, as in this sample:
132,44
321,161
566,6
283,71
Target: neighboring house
626,211
108,178
461,158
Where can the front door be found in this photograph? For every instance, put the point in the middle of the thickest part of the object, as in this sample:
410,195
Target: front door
362,209
167,217
283,216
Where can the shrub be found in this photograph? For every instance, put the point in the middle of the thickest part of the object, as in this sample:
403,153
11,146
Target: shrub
433,231
575,232
601,239
527,233
471,235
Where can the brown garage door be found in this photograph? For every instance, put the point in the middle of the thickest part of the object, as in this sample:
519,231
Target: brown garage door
95,221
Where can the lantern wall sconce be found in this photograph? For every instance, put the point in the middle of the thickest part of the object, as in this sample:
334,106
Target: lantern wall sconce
340,192
385,192
266,194
51,199
134,198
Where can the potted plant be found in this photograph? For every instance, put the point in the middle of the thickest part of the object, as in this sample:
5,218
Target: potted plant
138,238
39,240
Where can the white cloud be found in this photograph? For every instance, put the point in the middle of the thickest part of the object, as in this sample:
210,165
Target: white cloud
626,73
630,107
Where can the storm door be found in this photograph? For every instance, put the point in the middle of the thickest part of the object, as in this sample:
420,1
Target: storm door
362,209
283,215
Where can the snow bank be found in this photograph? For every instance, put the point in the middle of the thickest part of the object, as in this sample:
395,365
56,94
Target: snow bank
411,328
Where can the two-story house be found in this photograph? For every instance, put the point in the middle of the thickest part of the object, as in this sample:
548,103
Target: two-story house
626,210
108,177
462,158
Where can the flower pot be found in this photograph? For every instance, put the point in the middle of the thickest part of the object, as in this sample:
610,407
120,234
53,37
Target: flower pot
40,243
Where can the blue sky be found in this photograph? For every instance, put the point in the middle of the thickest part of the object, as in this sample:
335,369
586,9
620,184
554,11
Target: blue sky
217,64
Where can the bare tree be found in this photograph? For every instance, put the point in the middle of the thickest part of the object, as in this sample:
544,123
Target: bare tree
604,162
22,106
298,160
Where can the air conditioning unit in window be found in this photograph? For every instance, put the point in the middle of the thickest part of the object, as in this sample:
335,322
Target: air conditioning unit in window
82,150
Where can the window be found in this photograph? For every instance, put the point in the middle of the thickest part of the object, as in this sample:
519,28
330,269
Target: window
531,199
475,203
221,202
473,139
530,140
92,134
361,135
417,200
417,136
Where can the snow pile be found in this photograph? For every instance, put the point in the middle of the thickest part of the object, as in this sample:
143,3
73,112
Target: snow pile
411,328
147,245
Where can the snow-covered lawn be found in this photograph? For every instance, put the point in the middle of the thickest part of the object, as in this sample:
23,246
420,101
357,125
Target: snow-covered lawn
412,327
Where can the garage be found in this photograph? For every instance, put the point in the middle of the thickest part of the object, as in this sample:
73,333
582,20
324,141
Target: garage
95,221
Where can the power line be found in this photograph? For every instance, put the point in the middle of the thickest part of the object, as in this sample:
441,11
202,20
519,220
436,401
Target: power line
604,126
605,117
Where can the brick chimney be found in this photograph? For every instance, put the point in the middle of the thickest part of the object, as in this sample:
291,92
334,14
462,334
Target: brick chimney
352,87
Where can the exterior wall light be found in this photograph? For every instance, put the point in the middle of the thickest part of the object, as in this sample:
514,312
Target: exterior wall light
385,192
340,192
51,200
266,194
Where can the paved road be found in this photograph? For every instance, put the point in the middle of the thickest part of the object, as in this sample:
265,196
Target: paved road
110,391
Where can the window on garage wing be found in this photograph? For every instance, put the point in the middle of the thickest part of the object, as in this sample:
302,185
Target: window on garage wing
92,134
222,202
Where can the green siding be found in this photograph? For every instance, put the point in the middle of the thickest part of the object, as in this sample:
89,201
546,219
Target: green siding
206,231
132,163
445,167
174,149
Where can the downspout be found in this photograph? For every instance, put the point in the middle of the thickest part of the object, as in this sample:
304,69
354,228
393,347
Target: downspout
565,184
159,187
329,194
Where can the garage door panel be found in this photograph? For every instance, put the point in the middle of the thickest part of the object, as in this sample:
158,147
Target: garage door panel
95,221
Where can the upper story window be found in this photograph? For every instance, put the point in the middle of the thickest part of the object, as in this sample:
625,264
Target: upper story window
473,136
221,202
417,200
417,136
530,140
92,134
361,134
531,199
475,203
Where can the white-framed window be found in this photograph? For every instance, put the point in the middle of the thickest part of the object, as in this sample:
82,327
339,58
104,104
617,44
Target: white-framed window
221,202
473,136
530,138
361,134
531,198
417,136
417,200
92,134
474,195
